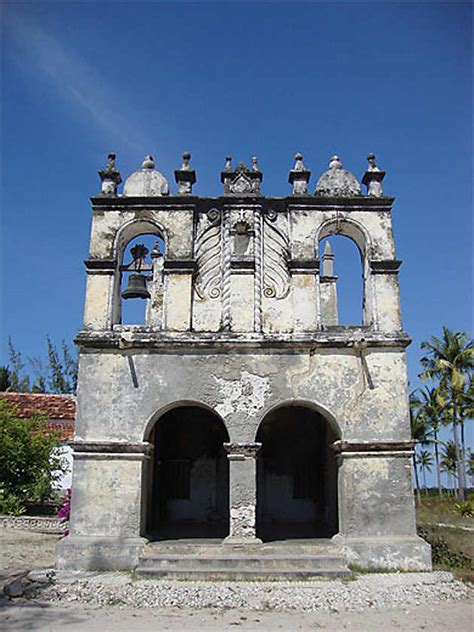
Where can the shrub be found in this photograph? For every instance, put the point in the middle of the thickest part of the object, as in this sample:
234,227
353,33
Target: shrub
29,463
465,509
441,554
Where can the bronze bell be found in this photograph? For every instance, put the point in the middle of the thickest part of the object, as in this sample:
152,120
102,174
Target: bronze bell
136,287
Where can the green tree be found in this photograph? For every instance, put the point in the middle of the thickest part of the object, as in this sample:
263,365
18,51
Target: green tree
19,381
450,360
4,379
431,409
448,461
40,375
470,466
425,461
70,365
419,432
29,461
62,371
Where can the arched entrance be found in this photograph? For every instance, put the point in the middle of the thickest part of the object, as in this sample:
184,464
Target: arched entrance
188,478
296,475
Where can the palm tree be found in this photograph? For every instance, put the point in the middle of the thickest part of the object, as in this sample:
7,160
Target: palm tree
451,361
448,461
429,407
466,410
425,461
419,433
470,466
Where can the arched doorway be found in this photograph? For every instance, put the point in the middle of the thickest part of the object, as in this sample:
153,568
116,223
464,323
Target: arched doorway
188,478
296,475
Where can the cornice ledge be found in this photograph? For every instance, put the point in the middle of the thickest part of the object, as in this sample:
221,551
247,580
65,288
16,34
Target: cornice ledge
126,339
372,446
112,447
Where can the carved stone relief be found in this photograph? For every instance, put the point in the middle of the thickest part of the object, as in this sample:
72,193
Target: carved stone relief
276,252
208,254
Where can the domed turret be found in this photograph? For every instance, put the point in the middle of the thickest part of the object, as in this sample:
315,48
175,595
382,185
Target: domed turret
147,182
337,181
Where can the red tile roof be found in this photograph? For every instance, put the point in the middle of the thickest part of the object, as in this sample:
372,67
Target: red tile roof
59,410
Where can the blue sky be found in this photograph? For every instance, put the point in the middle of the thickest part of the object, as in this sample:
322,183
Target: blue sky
264,79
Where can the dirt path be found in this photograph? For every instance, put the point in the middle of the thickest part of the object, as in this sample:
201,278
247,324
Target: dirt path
22,617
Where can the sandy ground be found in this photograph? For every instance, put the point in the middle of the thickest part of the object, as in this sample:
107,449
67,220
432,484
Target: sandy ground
23,616
21,551
24,550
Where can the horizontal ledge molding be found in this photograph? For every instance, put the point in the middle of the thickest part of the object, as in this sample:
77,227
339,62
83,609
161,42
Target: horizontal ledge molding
112,447
386,266
374,447
179,266
304,266
187,203
191,341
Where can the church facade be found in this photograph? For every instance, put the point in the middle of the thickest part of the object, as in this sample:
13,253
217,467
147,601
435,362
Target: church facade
239,411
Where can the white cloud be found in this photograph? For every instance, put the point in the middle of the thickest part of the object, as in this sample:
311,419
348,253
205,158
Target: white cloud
84,88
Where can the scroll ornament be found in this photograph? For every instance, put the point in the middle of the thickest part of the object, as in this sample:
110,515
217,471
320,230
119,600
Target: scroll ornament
208,255
276,250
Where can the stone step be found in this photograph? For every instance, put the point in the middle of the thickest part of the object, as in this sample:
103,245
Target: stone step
210,574
258,550
183,562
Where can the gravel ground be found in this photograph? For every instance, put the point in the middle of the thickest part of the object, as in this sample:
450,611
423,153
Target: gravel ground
379,590
99,602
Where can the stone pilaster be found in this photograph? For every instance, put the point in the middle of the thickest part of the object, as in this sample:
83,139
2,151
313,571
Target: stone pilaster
243,492
106,513
376,506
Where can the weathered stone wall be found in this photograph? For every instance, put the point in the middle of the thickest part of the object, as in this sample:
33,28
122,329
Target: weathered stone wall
242,388
246,265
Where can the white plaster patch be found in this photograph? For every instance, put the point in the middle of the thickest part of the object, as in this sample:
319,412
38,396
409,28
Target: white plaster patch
242,395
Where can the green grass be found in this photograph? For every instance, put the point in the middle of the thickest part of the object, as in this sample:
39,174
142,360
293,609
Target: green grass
452,548
432,509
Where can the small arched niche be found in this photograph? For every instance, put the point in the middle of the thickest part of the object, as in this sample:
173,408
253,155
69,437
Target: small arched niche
140,288
187,478
296,475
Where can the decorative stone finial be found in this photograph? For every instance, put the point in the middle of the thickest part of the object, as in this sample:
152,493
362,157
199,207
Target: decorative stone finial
373,177
185,177
110,177
299,176
299,166
241,181
328,261
371,160
186,159
337,181
148,163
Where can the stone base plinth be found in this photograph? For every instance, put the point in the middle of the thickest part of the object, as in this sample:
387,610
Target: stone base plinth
89,553
392,553
235,540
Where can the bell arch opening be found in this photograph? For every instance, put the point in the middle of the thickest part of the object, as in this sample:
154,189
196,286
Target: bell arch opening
187,482
296,475
140,288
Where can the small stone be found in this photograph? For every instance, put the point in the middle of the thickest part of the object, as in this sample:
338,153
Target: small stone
14,589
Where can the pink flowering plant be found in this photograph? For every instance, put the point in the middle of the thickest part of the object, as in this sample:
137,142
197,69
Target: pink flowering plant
64,511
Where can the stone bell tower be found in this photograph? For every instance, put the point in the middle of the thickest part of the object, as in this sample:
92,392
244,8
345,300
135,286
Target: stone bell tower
239,411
